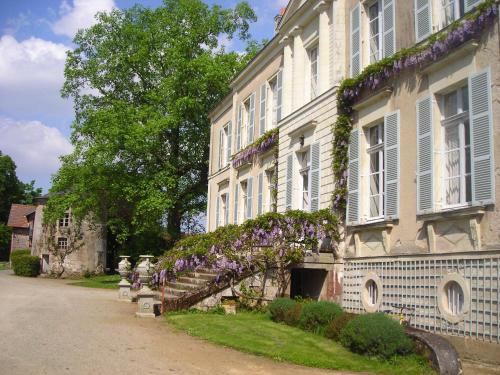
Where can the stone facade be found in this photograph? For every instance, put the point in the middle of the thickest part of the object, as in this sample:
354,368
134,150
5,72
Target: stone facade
91,257
422,225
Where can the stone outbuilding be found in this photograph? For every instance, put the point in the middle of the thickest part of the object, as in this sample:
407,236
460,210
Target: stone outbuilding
21,220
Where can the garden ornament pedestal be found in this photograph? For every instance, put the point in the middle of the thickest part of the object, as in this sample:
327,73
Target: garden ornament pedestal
124,292
145,296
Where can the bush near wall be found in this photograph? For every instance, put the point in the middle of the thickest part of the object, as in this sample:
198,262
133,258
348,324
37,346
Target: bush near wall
337,325
376,335
18,253
316,316
285,310
26,265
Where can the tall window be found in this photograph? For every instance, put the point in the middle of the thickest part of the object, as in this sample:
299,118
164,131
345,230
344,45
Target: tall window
451,10
222,151
304,161
313,59
273,98
62,243
270,189
375,27
64,221
224,209
456,148
376,170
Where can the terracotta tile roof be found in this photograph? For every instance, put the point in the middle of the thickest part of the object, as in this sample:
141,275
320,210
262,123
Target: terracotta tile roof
17,215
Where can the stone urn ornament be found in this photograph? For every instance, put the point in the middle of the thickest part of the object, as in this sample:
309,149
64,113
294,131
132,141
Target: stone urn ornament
145,296
124,293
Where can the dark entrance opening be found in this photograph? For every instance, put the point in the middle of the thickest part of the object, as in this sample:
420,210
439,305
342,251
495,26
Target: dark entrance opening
307,283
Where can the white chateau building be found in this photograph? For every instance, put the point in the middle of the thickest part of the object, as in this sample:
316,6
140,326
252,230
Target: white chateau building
422,227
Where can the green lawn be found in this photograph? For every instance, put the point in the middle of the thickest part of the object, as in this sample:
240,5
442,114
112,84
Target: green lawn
102,282
256,333
4,266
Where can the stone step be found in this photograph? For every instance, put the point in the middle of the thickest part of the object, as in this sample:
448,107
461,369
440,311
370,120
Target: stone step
192,280
170,297
175,292
207,271
204,276
182,286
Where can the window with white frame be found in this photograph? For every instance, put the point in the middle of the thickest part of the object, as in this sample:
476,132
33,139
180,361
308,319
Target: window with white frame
375,30
450,11
224,210
273,101
454,298
62,243
456,174
270,191
222,147
305,168
313,63
372,292
64,221
375,152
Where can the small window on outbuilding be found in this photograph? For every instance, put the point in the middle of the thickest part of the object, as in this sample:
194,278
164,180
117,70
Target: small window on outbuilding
64,221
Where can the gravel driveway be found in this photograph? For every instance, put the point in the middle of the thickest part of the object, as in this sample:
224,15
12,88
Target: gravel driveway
49,327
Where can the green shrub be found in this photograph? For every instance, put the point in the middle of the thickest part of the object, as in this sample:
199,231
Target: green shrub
376,335
280,308
316,316
18,253
26,265
292,316
336,325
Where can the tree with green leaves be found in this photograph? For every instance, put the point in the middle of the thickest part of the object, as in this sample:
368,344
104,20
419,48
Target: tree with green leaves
11,189
143,82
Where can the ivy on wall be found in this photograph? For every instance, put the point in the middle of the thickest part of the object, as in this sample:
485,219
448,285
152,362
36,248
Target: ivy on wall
376,75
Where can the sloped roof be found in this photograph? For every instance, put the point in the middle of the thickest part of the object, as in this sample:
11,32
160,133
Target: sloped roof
17,215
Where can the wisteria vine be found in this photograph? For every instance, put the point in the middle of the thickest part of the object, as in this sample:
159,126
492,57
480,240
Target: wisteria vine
376,75
263,144
270,241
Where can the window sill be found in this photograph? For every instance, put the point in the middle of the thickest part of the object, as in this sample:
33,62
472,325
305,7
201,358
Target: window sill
380,224
458,212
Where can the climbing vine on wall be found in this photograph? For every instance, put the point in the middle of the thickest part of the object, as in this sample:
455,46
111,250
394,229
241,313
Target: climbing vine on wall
263,144
376,75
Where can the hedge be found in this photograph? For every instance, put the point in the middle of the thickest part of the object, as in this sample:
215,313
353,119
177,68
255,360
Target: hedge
316,316
26,265
376,335
18,253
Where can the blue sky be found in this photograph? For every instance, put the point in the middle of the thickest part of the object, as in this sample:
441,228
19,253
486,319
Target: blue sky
34,37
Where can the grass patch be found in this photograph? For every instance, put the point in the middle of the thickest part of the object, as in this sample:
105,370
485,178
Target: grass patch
256,333
4,266
101,282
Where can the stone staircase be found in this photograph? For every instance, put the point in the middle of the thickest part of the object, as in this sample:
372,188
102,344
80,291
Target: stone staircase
190,288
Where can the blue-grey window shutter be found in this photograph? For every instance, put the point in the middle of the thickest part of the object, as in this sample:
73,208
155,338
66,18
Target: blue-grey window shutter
249,198
236,198
389,29
279,92
217,213
425,156
251,119
226,218
353,180
423,19
481,124
263,108
355,41
238,127
289,182
315,176
260,194
391,144
471,4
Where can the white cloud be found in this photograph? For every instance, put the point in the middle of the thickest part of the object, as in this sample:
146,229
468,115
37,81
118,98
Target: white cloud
79,15
34,147
31,75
